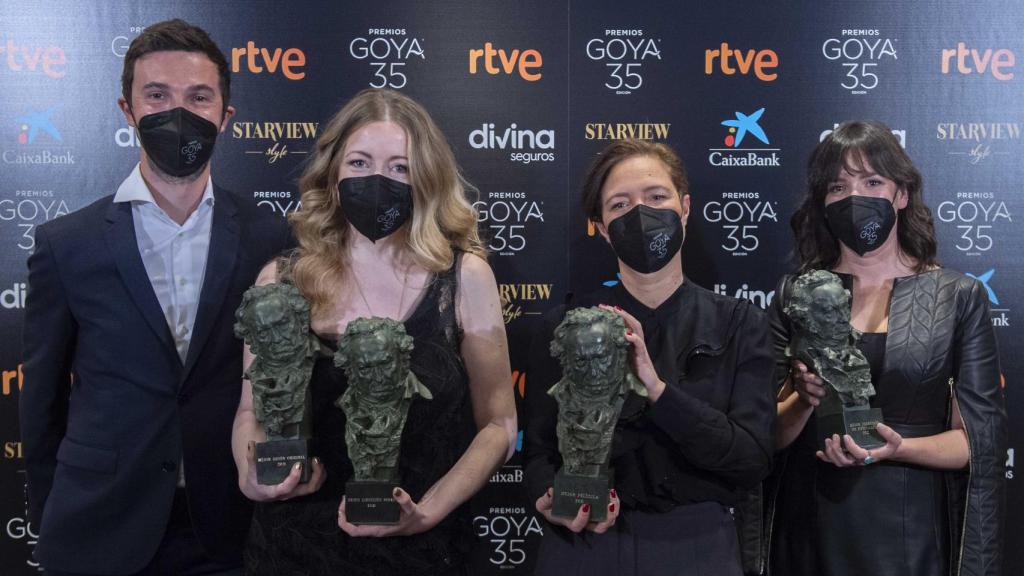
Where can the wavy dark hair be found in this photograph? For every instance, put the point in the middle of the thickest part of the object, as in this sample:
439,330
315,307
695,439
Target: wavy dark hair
860,146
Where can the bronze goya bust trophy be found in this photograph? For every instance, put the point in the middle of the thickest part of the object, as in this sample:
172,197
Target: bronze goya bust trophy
819,311
375,355
591,345
274,321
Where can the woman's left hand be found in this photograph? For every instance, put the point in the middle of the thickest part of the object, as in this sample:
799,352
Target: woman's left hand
638,356
854,455
414,519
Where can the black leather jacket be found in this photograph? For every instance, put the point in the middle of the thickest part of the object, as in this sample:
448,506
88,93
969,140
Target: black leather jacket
940,332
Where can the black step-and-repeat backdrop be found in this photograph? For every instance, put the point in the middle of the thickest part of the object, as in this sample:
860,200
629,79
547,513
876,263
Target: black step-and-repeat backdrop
527,92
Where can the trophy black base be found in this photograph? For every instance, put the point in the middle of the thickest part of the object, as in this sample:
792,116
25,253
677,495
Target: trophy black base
858,422
370,502
571,492
275,458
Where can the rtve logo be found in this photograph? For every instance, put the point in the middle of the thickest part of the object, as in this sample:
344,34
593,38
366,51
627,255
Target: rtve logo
290,61
763,62
21,58
966,60
527,63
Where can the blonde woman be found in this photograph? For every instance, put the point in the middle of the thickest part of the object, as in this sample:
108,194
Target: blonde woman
385,230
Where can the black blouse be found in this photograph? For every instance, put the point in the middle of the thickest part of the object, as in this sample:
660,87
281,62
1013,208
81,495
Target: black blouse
708,435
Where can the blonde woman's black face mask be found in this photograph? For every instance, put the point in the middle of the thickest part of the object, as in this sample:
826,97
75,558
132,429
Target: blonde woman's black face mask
376,205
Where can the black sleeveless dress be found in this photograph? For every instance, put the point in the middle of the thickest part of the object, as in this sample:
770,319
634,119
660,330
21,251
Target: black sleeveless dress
301,536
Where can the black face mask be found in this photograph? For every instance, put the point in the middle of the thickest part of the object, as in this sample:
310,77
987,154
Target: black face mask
646,238
179,142
375,205
863,223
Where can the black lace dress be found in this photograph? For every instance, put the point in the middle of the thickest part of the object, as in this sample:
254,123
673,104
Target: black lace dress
301,536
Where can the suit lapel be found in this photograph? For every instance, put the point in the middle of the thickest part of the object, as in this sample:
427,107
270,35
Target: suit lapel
220,267
120,238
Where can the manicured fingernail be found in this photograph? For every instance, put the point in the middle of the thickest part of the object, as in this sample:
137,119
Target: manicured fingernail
629,332
586,508
613,493
619,309
611,507
297,466
396,492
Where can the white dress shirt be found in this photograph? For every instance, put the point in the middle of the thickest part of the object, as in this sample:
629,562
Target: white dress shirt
174,255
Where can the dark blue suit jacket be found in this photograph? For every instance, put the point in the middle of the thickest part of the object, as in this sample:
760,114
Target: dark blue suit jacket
108,410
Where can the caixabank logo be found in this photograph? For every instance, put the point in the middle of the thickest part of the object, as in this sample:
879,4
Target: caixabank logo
273,140
387,51
1000,312
624,53
524,145
26,209
741,136
742,216
507,220
977,143
863,55
34,139
977,220
31,58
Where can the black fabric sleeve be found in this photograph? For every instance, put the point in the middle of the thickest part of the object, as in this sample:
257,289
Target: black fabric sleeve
541,411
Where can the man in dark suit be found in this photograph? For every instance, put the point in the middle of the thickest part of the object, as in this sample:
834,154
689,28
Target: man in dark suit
132,372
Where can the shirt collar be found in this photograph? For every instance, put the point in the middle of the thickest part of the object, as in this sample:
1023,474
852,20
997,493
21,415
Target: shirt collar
134,189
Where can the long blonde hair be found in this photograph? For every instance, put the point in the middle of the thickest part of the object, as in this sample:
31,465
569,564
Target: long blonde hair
442,217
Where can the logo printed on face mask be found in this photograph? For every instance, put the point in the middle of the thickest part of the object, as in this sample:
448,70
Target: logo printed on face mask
190,151
388,219
869,233
659,245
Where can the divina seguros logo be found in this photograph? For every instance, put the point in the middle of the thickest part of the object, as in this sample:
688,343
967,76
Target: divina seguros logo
525,145
735,154
387,51
624,53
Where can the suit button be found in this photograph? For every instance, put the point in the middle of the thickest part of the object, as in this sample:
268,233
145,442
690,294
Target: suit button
169,466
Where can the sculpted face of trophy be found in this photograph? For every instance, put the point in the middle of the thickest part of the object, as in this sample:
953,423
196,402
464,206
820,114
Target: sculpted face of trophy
591,345
818,307
375,355
274,321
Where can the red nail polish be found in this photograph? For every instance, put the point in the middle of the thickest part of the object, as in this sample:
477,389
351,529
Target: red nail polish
613,493
619,309
586,508
611,507
629,332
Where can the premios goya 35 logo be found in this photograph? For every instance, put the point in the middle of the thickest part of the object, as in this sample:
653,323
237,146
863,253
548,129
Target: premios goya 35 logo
977,218
744,129
505,218
860,52
624,53
741,215
21,530
387,51
506,529
27,209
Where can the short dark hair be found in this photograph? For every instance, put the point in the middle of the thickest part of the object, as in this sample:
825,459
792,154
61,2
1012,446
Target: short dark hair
621,150
850,146
174,35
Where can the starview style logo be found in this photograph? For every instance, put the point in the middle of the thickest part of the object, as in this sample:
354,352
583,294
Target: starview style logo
275,140
977,142
744,128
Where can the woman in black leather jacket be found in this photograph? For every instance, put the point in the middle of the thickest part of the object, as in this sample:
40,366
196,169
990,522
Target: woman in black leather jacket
930,501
